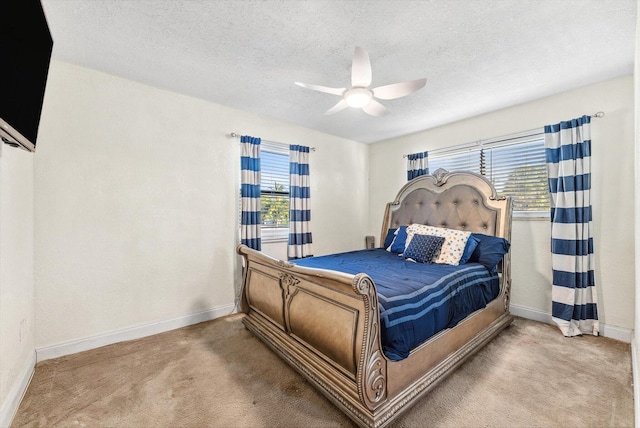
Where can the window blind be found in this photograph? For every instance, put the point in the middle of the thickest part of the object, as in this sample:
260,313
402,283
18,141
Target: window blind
274,191
467,160
519,170
514,164
274,173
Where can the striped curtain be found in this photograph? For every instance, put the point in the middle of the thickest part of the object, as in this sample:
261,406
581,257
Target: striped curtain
417,165
300,209
250,192
573,295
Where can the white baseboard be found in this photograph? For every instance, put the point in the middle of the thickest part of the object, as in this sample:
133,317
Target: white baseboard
635,369
530,314
617,333
12,402
137,332
610,331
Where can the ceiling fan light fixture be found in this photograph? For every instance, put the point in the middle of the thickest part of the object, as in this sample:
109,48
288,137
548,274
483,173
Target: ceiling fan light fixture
358,97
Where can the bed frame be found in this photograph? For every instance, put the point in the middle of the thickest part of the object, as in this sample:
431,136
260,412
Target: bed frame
325,324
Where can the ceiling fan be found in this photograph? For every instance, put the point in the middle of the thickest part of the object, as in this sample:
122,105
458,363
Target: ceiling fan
360,95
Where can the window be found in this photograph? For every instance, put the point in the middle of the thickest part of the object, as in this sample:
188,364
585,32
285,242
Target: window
461,158
516,166
274,191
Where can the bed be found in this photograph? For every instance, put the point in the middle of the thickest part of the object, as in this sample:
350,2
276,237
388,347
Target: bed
333,326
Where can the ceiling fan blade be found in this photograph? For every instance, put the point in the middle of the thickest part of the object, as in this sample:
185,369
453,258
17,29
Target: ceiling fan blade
325,89
397,90
374,108
360,69
342,104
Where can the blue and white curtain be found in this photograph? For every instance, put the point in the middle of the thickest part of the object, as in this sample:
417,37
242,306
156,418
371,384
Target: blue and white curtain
300,209
417,165
250,192
573,295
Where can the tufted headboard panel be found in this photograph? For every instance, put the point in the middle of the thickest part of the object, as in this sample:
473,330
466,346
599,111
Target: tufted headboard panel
460,207
457,200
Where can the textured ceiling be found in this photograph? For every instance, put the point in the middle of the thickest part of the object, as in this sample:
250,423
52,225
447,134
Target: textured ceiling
478,55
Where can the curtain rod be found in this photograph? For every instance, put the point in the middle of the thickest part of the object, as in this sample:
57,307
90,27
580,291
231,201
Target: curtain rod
235,135
530,133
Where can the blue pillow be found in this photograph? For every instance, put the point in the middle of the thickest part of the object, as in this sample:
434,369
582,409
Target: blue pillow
397,246
424,248
489,251
469,247
391,233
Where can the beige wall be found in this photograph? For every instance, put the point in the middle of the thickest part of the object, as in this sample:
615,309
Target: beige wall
634,342
136,196
17,329
612,191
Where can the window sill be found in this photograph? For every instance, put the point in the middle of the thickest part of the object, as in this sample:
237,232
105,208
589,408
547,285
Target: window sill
274,240
275,234
531,216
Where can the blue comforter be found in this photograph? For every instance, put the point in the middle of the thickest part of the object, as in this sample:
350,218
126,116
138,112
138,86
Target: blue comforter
416,300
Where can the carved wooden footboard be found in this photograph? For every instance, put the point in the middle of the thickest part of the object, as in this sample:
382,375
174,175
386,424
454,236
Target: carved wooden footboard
326,324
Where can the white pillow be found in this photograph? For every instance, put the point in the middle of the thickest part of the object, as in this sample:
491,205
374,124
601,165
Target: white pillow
454,241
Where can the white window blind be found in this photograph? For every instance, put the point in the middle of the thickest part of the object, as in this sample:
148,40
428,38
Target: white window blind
274,191
515,165
519,170
461,160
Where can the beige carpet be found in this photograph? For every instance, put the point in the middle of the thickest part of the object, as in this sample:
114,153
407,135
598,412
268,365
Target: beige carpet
217,374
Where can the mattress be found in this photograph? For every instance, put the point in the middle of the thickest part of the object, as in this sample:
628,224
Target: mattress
416,300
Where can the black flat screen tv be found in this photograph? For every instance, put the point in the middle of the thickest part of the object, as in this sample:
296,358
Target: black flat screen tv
25,52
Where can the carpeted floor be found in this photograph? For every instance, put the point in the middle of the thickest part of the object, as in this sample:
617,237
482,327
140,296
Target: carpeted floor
217,374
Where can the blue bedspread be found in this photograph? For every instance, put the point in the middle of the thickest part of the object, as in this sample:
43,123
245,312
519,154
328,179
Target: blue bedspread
416,300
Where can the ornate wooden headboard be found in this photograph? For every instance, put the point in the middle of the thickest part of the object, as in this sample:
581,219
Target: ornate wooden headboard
456,200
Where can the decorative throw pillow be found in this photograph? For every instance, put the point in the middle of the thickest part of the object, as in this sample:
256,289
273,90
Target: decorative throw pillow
399,242
490,250
454,241
391,233
472,243
423,248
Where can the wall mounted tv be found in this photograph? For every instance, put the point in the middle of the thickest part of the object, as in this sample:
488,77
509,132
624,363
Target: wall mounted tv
25,52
